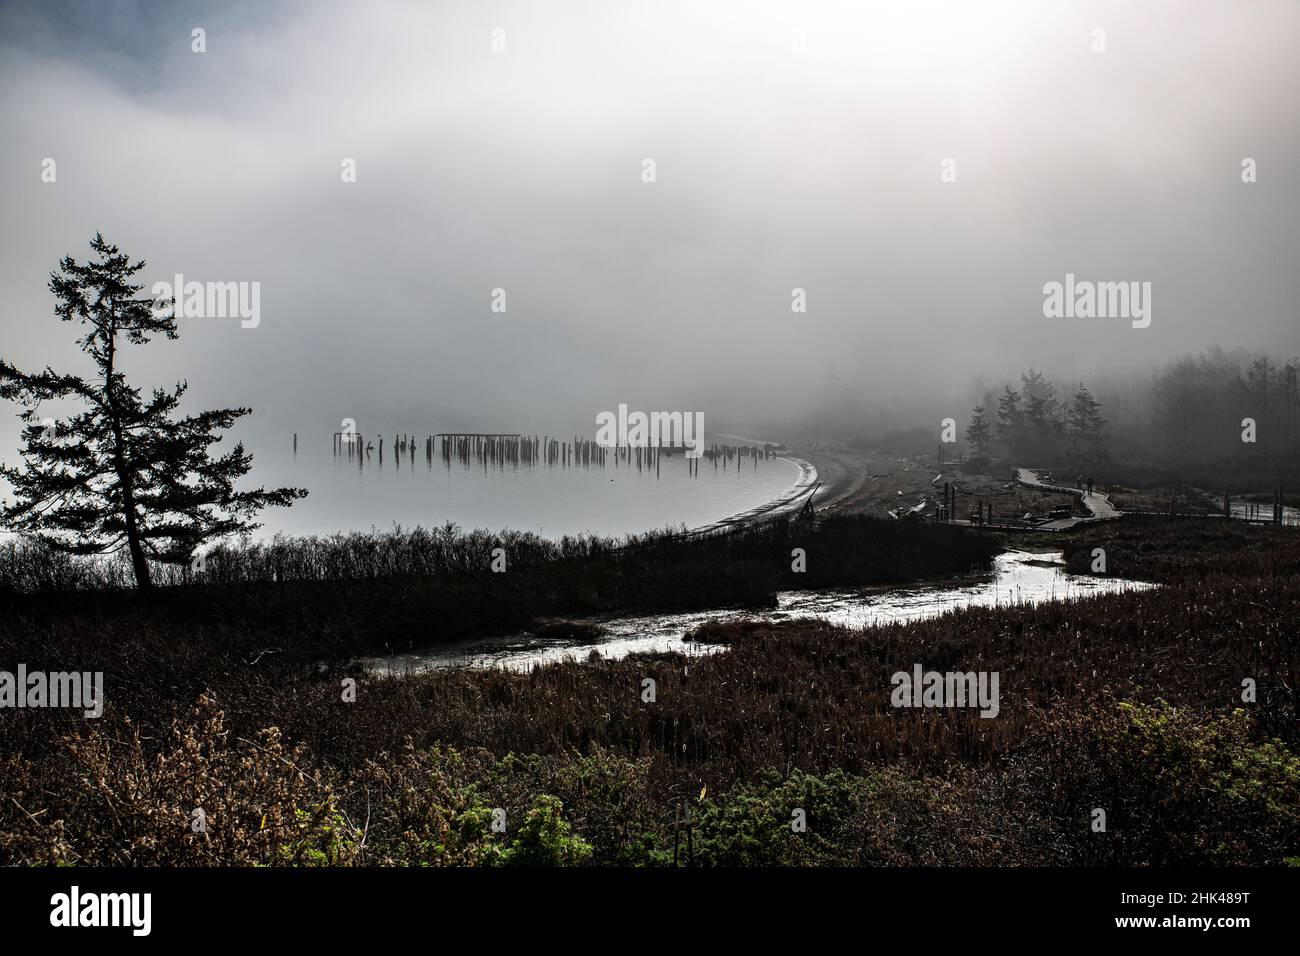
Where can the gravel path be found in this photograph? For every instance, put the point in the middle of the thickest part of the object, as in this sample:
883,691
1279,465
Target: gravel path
1098,505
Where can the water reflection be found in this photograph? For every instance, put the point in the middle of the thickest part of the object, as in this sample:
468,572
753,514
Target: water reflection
610,499
1018,577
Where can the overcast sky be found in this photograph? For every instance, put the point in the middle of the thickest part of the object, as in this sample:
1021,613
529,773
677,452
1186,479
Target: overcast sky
795,145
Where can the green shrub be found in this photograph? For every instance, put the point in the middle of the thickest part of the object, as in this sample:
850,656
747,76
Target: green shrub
544,839
425,808
877,819
1177,786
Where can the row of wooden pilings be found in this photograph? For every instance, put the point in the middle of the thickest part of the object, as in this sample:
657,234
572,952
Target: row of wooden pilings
502,449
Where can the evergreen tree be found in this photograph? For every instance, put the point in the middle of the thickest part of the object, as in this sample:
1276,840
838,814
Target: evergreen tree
125,471
1086,431
1043,428
977,432
1011,421
1033,385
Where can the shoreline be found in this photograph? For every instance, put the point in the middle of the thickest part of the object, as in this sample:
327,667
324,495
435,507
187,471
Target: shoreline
786,501
847,478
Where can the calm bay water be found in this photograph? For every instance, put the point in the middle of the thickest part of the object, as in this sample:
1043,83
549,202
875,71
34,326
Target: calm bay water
551,501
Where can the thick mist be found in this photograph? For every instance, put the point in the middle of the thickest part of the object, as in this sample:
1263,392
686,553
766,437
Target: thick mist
794,146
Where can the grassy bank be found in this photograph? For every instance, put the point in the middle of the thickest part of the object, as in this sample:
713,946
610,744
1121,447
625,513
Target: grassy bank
315,597
1130,703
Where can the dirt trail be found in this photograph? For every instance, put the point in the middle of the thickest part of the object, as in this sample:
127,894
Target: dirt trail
857,481
869,482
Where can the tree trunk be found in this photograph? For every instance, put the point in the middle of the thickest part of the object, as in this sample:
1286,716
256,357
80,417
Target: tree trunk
139,565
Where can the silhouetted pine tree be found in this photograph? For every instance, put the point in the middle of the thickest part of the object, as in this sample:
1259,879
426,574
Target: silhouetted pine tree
126,471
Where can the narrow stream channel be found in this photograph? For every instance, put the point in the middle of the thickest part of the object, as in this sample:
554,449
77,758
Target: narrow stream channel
1018,577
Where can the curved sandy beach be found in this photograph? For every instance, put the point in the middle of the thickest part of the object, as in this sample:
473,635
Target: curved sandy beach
788,500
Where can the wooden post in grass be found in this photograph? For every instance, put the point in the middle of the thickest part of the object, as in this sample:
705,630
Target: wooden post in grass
677,829
690,837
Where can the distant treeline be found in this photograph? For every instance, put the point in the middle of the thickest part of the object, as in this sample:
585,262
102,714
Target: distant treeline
1189,422
1224,420
1027,425
1033,425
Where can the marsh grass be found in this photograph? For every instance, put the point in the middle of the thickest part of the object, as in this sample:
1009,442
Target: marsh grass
1131,701
317,597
